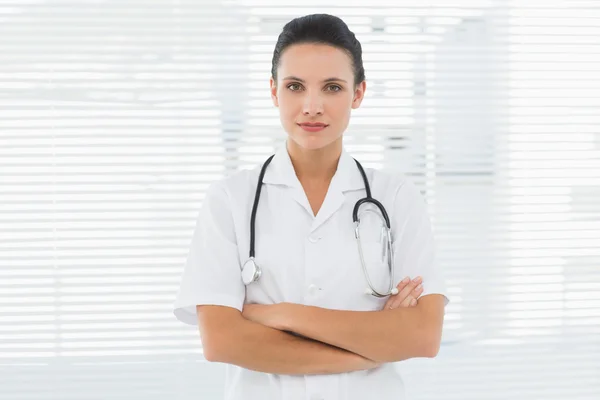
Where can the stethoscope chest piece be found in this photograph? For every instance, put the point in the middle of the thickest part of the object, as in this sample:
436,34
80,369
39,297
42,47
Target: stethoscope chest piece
251,272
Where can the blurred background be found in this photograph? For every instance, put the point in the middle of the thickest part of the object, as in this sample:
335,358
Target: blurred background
115,116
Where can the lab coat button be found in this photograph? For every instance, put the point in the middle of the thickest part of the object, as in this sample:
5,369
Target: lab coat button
313,289
314,239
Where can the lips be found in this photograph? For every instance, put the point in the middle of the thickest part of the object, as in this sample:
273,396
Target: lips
314,125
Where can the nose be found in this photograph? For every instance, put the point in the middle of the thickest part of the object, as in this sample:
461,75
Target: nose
313,105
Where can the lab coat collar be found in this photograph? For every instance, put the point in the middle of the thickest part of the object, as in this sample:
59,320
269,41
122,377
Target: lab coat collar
281,172
347,177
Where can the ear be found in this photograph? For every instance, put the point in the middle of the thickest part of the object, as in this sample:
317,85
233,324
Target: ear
359,94
273,86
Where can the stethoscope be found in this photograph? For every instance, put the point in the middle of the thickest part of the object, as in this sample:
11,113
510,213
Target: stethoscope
251,272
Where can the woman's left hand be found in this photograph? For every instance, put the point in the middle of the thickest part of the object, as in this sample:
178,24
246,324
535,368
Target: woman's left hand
408,293
271,315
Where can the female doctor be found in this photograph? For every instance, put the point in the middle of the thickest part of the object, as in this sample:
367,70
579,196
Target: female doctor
282,290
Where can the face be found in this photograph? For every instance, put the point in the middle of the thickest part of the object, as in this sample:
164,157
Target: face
315,84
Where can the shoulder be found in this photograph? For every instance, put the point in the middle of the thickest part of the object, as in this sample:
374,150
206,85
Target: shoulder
234,186
398,191
392,183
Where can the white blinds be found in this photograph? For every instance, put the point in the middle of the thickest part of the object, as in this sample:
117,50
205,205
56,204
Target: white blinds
115,116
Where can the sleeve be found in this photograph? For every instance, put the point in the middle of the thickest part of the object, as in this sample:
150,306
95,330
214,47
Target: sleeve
414,243
212,272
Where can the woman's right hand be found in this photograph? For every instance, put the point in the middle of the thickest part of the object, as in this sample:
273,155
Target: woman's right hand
408,292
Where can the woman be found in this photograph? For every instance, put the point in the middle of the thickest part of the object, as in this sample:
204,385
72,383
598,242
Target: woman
306,329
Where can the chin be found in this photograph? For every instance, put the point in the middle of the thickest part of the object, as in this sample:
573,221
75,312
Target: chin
313,141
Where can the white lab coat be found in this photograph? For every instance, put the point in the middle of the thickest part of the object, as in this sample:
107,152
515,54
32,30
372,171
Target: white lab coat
305,259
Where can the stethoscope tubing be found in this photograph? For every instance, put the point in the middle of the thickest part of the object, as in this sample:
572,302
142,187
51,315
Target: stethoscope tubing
257,272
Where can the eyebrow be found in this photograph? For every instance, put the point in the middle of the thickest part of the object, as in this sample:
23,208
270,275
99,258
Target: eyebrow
294,78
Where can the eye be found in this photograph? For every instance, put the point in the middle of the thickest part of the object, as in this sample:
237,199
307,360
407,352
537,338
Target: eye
337,88
291,87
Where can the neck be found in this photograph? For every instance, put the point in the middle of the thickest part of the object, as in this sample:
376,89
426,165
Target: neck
315,166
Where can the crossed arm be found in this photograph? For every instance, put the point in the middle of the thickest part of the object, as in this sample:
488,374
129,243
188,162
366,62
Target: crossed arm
330,341
381,336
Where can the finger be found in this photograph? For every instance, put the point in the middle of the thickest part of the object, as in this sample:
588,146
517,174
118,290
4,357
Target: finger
404,297
388,303
408,289
403,293
418,291
401,285
413,296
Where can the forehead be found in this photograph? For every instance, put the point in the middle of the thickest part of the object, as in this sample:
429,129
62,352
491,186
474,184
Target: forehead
315,62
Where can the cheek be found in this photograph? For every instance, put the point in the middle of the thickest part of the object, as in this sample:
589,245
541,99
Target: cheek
287,114
341,109
287,104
